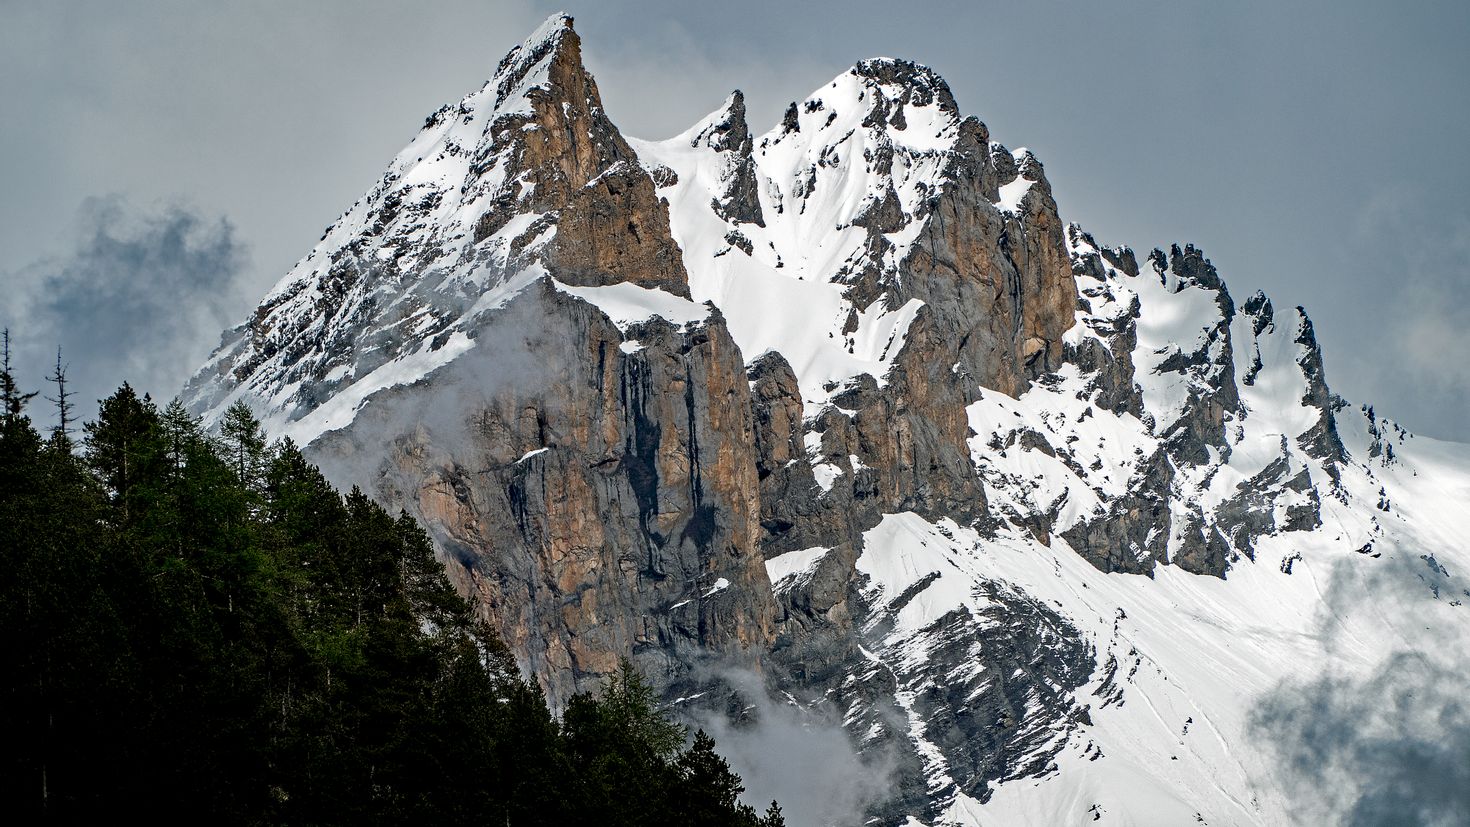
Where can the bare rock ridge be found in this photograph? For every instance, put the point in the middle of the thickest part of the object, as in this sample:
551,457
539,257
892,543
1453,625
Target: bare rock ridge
834,405
574,167
726,132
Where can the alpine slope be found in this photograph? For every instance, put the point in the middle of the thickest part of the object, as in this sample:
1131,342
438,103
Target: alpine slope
845,415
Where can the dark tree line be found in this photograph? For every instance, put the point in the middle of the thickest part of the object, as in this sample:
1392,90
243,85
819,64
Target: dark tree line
201,627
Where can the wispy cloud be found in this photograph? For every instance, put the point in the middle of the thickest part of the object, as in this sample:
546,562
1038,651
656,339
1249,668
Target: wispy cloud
1390,749
1386,745
1410,356
141,296
798,757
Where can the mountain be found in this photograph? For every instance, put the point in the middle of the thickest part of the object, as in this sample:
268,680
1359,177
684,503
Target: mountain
843,419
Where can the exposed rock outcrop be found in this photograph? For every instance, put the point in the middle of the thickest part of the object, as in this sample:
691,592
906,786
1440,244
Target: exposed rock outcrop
609,509
1321,441
727,132
566,158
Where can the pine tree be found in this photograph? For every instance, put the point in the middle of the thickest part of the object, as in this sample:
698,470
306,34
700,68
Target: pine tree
710,790
18,440
274,652
624,751
181,430
25,588
60,640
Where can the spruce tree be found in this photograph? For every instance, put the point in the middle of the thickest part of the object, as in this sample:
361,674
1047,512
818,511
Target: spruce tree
245,444
710,790
125,447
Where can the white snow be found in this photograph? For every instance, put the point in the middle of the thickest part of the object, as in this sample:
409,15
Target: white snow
826,474
787,294
1012,193
1190,648
627,304
794,568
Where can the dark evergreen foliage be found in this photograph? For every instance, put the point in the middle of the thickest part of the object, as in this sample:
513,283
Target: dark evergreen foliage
202,628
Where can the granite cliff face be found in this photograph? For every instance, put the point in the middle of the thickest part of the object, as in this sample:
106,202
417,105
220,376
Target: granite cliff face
845,406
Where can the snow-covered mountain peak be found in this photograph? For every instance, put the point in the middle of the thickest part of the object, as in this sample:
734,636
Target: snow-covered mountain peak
815,239
1187,267
723,130
883,92
868,148
525,178
528,65
1042,522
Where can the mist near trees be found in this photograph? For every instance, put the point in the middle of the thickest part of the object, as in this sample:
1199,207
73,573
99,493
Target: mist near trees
199,626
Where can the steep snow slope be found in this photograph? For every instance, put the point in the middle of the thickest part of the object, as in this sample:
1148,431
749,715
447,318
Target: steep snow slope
878,140
1204,684
782,285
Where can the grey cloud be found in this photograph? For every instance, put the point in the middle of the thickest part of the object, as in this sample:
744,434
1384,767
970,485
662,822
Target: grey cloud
509,342
1385,748
1391,749
797,756
1425,254
141,297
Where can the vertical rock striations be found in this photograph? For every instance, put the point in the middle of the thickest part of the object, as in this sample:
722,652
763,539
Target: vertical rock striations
608,509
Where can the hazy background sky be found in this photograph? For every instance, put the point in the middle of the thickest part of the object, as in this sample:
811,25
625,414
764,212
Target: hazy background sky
168,161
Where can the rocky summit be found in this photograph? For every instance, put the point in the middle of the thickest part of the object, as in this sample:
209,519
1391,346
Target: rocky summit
843,420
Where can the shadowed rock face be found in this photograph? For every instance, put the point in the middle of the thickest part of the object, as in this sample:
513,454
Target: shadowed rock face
1108,354
1000,283
608,511
1322,441
729,134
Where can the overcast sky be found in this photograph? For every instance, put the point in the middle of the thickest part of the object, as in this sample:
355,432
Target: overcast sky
170,160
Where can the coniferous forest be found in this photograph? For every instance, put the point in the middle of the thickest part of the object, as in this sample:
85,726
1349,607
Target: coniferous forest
199,626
